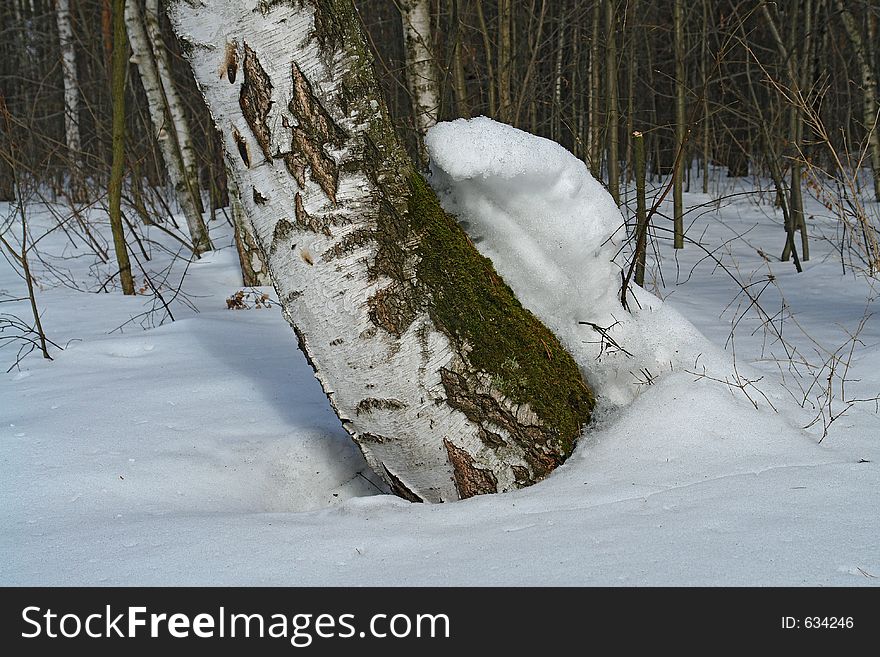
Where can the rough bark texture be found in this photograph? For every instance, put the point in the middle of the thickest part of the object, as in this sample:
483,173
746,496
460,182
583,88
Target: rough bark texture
254,271
433,366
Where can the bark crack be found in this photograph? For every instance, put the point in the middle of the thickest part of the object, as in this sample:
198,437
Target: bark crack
469,479
255,99
315,129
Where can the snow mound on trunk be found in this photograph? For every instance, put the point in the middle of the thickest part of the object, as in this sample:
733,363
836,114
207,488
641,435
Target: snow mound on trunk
554,233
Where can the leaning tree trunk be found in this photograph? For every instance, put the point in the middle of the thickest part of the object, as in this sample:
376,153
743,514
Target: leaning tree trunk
421,74
447,384
173,101
166,134
71,96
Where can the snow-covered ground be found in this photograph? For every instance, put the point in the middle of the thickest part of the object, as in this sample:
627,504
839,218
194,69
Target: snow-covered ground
202,451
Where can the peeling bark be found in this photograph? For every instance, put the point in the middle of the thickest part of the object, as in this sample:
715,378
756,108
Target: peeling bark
446,383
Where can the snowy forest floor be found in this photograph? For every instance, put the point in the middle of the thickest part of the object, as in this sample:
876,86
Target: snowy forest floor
203,452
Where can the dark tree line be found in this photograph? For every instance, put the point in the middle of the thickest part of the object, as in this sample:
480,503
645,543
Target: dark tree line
784,90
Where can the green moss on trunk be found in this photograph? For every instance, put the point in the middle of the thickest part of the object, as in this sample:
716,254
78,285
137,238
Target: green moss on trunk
472,304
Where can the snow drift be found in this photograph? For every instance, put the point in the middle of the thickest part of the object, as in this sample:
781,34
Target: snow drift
554,233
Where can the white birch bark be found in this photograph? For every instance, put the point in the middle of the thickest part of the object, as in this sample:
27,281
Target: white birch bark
172,97
166,132
421,73
330,192
71,92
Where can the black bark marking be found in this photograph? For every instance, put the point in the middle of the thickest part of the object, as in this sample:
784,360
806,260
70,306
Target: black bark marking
306,255
391,310
521,475
348,244
242,147
230,62
255,99
315,130
283,231
259,199
370,403
540,445
490,438
373,438
306,220
399,488
469,479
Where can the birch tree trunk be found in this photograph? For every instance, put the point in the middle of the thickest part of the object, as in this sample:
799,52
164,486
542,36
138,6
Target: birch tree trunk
869,92
421,73
166,133
680,127
174,103
449,387
71,96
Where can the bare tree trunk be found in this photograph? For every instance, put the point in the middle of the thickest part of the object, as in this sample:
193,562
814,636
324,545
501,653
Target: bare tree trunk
631,69
505,61
595,145
611,113
791,56
165,130
869,91
421,74
117,173
525,89
447,384
176,112
71,96
556,110
704,70
491,81
680,127
459,81
641,208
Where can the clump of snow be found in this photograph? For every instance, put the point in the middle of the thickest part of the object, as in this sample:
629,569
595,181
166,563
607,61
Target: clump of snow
554,234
